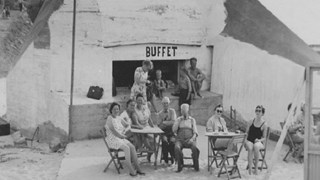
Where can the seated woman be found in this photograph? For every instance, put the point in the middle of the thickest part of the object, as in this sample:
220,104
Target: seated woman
217,124
144,120
257,132
130,121
186,130
116,139
167,117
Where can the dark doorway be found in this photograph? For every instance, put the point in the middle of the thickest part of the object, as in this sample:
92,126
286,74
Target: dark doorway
123,71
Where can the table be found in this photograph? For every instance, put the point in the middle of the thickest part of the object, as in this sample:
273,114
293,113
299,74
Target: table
155,131
220,135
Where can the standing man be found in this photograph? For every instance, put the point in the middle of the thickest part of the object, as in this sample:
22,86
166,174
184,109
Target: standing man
196,77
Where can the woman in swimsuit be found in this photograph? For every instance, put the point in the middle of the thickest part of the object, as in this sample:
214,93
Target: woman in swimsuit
256,131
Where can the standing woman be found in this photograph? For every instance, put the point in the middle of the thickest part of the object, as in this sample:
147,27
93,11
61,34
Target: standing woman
140,80
116,139
257,132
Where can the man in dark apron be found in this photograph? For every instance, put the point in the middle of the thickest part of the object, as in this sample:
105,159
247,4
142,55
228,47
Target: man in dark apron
186,130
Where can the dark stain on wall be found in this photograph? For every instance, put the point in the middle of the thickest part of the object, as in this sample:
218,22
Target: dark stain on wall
249,21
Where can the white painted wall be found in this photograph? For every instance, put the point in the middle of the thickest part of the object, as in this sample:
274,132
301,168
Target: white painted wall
160,21
3,100
248,76
28,89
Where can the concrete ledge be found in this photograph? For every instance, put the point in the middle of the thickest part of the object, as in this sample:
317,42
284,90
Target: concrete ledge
89,116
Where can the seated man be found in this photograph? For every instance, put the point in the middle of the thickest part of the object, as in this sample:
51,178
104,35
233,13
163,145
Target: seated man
296,131
167,117
196,76
186,130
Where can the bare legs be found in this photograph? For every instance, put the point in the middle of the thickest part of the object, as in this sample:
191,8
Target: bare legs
131,158
253,151
249,146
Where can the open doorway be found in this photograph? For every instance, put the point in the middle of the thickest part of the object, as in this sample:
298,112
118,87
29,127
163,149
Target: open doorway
123,73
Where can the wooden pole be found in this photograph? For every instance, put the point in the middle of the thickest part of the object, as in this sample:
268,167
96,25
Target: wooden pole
72,69
284,131
307,119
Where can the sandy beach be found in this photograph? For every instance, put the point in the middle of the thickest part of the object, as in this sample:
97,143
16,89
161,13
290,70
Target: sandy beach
87,159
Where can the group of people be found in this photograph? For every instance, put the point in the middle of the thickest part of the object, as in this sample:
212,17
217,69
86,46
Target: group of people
296,131
179,132
256,134
190,82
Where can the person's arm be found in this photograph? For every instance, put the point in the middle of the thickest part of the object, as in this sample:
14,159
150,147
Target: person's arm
191,76
189,88
176,125
195,130
203,77
248,126
162,85
110,125
225,129
150,121
135,121
264,134
209,125
138,78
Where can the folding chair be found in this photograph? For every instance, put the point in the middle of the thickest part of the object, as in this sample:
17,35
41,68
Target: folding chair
114,154
214,157
35,134
161,156
231,153
263,152
191,165
293,147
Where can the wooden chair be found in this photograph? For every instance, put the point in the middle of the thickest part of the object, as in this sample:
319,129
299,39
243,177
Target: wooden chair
214,156
161,156
231,153
114,154
293,147
190,165
35,135
263,152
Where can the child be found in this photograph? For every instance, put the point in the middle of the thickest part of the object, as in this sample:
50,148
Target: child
185,88
149,93
159,84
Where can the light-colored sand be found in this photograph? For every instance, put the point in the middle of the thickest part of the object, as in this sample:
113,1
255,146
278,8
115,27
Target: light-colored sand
29,163
87,159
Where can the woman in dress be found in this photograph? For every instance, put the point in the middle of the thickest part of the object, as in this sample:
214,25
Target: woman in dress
257,132
140,80
116,139
217,124
144,120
